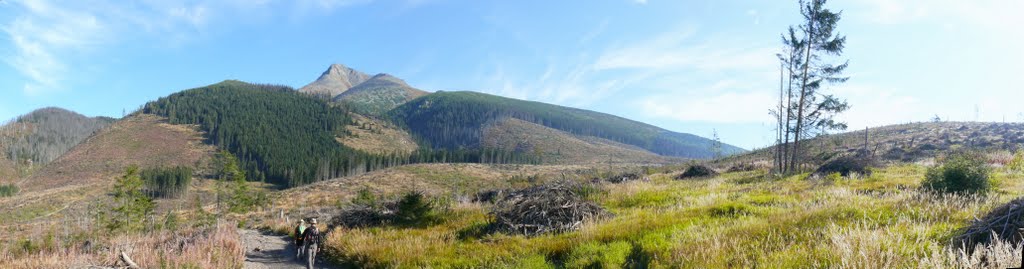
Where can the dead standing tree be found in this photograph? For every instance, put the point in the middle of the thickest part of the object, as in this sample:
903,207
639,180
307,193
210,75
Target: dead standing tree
808,111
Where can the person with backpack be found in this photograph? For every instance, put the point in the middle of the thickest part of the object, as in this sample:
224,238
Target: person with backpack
298,238
313,239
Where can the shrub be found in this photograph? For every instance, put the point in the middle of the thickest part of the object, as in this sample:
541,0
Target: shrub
8,190
697,170
414,209
366,210
962,173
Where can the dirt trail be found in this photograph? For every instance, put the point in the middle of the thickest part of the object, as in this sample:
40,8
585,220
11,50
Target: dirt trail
274,251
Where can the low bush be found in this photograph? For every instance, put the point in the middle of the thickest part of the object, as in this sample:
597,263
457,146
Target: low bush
412,209
8,190
415,210
961,173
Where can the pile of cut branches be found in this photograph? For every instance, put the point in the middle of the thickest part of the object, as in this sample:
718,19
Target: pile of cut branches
697,171
1004,222
555,207
625,177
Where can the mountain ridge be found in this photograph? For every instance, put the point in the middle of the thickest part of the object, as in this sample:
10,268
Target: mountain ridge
337,79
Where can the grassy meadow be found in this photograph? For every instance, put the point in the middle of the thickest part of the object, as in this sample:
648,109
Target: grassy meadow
736,220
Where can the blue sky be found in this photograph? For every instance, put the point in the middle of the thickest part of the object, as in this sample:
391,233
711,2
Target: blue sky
687,66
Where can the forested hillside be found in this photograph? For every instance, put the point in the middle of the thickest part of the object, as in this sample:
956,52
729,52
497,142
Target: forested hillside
45,134
287,137
279,135
454,120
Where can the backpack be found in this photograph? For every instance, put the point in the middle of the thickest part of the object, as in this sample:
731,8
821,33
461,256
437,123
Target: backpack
312,236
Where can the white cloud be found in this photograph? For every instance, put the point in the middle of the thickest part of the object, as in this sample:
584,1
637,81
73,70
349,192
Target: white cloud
727,107
672,51
43,36
642,2
52,40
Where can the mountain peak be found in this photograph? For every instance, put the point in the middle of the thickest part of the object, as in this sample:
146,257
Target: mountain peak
337,79
389,78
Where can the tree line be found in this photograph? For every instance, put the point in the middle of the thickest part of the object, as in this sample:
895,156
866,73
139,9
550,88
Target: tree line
47,133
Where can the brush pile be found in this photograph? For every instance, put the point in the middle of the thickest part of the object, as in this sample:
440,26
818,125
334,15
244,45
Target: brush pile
625,177
358,216
553,208
697,171
489,196
846,165
742,167
1003,223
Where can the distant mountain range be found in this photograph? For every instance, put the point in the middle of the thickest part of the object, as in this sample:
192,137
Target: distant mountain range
458,120
355,123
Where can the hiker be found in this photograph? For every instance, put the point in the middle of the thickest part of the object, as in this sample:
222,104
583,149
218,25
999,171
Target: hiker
298,238
312,238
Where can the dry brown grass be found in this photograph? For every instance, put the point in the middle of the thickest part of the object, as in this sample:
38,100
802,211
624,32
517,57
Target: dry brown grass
913,139
142,140
213,247
378,137
559,147
877,221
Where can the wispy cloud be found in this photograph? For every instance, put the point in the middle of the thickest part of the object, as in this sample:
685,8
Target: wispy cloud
674,51
50,38
724,107
42,37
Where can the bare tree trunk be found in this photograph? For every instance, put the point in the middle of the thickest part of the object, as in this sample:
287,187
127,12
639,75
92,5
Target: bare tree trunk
803,88
778,133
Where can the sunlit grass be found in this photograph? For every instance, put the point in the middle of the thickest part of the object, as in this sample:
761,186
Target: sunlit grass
745,219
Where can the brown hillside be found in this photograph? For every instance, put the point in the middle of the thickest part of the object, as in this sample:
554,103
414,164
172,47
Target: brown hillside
556,146
376,136
143,140
433,179
906,142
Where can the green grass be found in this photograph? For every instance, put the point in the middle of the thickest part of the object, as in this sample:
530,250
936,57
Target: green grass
7,190
882,220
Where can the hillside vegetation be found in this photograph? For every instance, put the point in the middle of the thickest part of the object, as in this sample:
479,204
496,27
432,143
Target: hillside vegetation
279,136
377,136
378,95
143,140
455,120
909,142
559,147
39,137
288,138
735,220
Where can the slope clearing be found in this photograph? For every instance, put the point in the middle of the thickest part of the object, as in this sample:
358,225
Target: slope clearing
455,120
559,147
